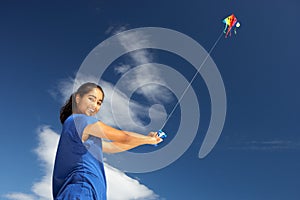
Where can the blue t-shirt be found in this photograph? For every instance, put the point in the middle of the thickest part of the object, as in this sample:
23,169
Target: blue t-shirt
78,170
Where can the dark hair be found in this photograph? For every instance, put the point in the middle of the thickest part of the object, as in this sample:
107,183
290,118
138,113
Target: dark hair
67,109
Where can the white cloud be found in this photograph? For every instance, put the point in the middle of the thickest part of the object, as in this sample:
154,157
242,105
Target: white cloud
135,40
46,150
149,74
121,69
117,181
19,196
62,90
112,30
122,187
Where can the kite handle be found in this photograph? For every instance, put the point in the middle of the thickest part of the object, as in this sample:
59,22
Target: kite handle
161,134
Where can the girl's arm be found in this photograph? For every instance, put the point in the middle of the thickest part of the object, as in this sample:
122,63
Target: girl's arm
122,139
116,147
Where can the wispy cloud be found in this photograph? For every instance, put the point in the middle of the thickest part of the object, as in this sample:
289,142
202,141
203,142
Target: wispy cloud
140,42
122,69
115,29
267,145
120,186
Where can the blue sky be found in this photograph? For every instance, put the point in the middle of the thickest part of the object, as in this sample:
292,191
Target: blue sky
43,45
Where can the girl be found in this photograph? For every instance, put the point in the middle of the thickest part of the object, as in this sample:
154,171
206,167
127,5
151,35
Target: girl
78,170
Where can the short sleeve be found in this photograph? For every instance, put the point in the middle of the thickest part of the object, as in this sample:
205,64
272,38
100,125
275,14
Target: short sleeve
81,121
77,123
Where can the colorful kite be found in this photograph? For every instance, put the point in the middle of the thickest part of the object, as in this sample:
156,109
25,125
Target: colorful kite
230,22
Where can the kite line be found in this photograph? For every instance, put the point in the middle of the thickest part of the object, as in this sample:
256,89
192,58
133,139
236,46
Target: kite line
190,83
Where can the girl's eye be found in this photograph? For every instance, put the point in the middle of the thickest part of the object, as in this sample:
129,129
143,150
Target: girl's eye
92,99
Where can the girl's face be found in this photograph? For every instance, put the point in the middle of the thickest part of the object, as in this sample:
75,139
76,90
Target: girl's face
89,103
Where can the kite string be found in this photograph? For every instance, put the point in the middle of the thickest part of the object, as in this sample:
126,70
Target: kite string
190,83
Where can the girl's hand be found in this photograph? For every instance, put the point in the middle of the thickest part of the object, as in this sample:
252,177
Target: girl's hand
152,134
154,139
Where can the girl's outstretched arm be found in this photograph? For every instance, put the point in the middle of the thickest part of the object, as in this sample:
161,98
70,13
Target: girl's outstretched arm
123,139
116,147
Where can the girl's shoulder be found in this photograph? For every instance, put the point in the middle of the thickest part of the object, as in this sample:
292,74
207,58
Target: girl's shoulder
79,121
81,118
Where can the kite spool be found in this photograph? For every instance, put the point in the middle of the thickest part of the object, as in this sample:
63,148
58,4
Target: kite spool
161,134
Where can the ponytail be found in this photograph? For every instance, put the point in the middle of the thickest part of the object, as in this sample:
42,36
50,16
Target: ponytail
66,110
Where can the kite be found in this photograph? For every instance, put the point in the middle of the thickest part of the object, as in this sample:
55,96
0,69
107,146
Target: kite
230,22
